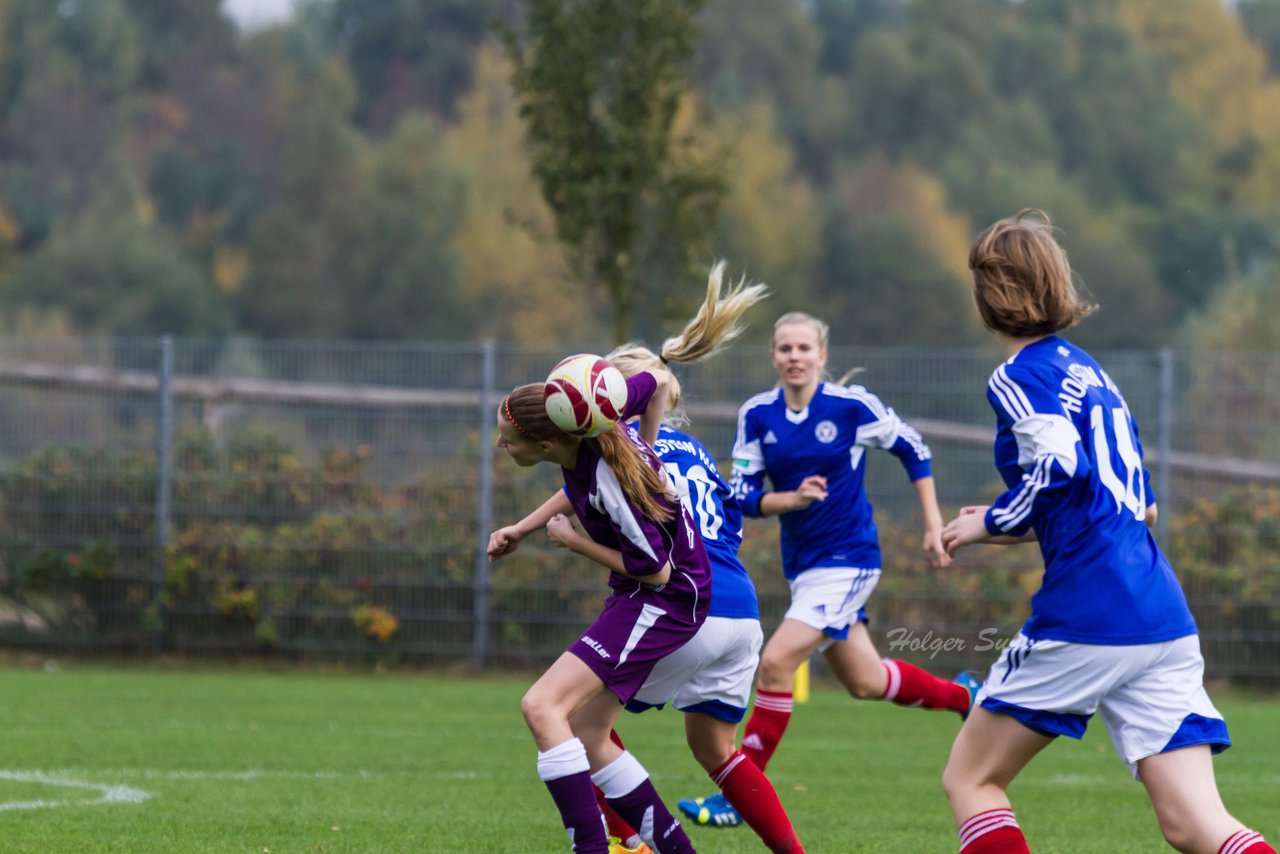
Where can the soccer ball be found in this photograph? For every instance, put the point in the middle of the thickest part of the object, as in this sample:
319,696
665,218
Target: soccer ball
585,395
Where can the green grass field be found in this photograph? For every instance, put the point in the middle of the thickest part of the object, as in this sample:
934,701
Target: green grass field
151,760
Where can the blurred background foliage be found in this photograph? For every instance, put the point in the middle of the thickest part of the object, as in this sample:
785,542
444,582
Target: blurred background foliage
361,171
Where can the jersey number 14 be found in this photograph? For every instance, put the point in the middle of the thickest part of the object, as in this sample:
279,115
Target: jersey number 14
1128,491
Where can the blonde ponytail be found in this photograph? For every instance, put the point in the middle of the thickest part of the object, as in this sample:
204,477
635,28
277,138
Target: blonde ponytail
717,323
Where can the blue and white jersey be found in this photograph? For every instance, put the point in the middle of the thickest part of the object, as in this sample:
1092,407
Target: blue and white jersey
693,471
1068,450
829,438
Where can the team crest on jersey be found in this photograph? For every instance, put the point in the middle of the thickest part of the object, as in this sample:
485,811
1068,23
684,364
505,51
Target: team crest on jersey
825,432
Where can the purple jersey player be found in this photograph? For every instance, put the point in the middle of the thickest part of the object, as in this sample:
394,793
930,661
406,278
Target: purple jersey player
658,603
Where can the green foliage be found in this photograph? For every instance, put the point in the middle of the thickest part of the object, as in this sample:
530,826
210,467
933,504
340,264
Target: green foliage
407,54
92,274
162,172
600,86
1262,22
269,549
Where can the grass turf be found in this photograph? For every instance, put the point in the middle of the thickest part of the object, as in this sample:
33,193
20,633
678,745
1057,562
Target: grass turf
150,760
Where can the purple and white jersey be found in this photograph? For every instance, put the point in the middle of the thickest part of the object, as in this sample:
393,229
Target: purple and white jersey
609,518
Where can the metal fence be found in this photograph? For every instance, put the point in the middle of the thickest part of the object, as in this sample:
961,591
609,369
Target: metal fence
332,499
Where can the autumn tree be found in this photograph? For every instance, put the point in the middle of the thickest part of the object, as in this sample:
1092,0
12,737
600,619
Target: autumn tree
600,85
505,243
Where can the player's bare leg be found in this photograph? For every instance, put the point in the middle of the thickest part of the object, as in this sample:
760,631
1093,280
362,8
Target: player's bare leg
857,665
790,645
987,754
562,690
1185,796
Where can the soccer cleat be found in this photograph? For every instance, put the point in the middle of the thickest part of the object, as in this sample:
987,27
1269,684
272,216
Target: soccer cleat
969,680
714,811
617,846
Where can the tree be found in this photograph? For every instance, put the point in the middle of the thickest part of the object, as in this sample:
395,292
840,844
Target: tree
407,54
1234,381
895,268
505,243
771,224
121,278
601,84
1261,19
1223,78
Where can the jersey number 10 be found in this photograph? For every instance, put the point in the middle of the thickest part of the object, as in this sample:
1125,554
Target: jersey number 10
1128,492
698,492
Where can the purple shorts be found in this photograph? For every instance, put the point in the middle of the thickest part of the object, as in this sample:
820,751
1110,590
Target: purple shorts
637,629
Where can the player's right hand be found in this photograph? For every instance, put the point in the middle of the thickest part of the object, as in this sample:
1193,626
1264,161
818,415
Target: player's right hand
812,488
503,542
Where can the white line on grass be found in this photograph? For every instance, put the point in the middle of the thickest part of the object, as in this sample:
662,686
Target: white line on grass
189,774
106,794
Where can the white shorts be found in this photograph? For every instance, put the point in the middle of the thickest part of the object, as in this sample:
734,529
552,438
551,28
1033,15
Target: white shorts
831,600
1151,696
711,674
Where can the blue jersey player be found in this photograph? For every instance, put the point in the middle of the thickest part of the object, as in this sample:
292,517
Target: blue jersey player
809,438
1110,629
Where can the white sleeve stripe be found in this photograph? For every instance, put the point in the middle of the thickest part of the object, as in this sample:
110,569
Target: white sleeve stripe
1011,396
1017,390
913,437
1020,507
1017,509
860,394
999,387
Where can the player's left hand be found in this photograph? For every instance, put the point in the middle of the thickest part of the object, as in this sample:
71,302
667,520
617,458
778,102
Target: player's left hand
560,529
967,528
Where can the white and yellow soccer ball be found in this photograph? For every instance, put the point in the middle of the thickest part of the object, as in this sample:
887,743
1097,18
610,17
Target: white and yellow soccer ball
585,395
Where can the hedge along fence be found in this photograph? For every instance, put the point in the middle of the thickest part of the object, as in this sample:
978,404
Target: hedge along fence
268,552
275,554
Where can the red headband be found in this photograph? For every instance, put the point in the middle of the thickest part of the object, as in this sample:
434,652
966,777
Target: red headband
506,408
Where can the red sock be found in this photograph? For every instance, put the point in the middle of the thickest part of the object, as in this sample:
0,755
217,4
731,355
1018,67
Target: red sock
753,796
766,725
616,824
911,686
1244,841
992,832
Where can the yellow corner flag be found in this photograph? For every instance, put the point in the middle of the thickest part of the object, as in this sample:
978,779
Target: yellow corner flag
800,685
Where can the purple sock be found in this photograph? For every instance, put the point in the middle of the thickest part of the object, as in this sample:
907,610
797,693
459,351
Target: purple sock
567,776
644,810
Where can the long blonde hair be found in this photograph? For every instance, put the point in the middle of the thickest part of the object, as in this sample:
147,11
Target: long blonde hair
715,326
526,410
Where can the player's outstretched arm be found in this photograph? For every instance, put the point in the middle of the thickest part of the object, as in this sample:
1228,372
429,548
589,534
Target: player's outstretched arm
970,527
507,539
